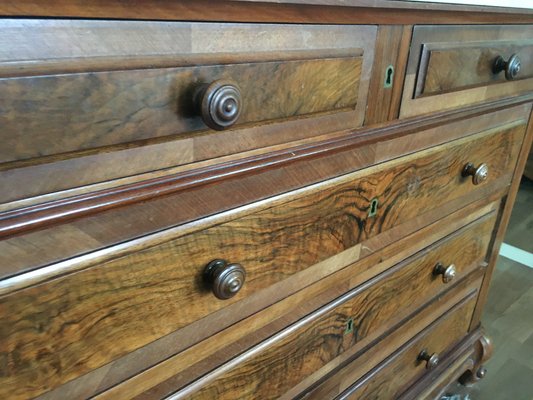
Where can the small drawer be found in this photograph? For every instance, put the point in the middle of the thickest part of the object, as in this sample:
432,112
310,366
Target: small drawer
346,325
418,356
85,88
456,66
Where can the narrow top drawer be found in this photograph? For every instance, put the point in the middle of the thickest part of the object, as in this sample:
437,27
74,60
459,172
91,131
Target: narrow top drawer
70,86
456,66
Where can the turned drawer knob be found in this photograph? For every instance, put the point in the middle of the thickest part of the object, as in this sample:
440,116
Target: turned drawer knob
432,360
511,66
224,279
220,104
479,174
448,273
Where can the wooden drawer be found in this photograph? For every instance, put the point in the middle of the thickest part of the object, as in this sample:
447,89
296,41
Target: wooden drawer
344,326
454,66
125,97
91,317
399,371
134,293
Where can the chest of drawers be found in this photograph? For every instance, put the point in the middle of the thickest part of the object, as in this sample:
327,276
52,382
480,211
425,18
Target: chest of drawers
254,200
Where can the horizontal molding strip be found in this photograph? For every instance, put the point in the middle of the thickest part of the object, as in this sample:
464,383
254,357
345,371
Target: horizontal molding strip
58,211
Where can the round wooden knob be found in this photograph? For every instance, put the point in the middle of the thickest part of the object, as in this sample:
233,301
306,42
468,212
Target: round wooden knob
225,279
221,104
432,360
511,66
448,273
479,174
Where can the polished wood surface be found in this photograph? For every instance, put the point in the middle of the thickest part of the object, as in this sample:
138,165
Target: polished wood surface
259,246
318,12
384,93
337,192
452,69
459,75
358,315
193,197
176,362
401,369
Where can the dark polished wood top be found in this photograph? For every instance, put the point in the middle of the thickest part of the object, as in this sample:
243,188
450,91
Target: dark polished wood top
280,11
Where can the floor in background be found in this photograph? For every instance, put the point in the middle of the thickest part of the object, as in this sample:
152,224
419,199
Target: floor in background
508,315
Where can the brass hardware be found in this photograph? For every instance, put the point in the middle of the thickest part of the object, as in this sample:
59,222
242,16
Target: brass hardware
479,174
389,76
220,104
373,209
448,273
432,360
225,279
511,66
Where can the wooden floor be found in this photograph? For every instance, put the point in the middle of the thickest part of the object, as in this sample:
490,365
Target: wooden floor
508,316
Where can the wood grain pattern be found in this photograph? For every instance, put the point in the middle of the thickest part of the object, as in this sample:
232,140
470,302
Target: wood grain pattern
100,86
402,189
452,69
269,371
392,49
48,115
355,367
461,67
505,216
153,283
352,12
396,374
177,360
164,201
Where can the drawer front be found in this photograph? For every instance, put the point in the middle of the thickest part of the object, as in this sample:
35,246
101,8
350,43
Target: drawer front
72,88
358,317
140,296
445,60
400,370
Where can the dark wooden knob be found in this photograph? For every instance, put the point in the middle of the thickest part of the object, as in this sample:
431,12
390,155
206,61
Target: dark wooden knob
479,174
221,104
448,273
225,279
432,360
511,66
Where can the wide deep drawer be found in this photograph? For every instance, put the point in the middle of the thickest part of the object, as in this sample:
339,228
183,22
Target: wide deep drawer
416,357
457,66
346,325
95,92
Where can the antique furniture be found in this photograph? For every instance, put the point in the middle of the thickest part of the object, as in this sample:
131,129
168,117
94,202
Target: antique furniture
254,199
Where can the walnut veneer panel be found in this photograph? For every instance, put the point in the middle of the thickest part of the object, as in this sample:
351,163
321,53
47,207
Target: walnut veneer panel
399,371
269,370
295,234
72,88
451,66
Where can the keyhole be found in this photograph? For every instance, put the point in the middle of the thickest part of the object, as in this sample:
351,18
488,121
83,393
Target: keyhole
349,326
373,209
389,74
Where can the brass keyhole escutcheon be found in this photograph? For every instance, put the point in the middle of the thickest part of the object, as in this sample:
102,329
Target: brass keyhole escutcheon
349,326
373,209
389,75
